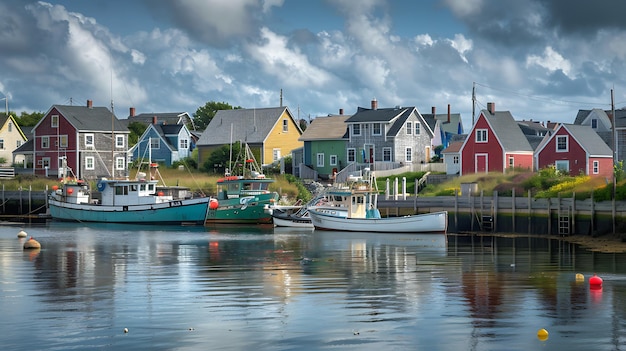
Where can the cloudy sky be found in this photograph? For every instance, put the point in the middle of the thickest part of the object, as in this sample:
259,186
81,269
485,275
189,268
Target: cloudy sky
539,59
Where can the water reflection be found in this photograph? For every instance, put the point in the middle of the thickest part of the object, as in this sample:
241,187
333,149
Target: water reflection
254,287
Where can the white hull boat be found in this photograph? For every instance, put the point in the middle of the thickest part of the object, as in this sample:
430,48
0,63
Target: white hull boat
435,222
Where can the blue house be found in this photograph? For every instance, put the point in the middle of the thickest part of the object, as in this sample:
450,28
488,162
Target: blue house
163,143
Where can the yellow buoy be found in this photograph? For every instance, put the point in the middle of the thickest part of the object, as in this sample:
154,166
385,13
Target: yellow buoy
542,335
31,244
580,277
22,234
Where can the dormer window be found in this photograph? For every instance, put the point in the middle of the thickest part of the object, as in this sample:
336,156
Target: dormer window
54,121
594,123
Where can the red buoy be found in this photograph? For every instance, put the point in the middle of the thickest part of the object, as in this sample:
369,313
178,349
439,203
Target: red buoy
595,282
213,204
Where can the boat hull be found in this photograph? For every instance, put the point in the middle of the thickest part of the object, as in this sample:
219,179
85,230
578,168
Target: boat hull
247,210
186,211
291,221
436,222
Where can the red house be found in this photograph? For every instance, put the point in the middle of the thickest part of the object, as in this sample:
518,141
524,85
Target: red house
576,149
85,142
494,144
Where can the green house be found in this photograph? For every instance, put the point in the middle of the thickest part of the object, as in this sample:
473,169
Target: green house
325,145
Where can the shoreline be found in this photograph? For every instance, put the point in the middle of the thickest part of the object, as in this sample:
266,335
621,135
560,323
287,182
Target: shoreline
607,243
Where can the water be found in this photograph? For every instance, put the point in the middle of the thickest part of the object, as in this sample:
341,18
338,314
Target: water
190,288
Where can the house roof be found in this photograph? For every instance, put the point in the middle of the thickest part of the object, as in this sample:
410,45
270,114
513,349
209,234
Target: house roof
451,127
588,140
326,128
507,131
384,115
27,147
167,117
248,125
454,147
87,119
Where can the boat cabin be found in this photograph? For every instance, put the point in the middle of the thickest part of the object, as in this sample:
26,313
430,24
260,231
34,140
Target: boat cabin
233,187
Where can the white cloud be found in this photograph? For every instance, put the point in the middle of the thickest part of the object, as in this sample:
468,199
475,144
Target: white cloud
268,4
424,40
551,60
284,63
138,56
461,45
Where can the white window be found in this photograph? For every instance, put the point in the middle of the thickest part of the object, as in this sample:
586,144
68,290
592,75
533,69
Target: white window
45,162
90,164
356,129
1,144
89,143
376,129
455,159
155,143
45,142
562,166
285,125
10,127
333,160
408,157
351,155
418,128
276,154
63,141
19,143
562,143
119,141
386,154
409,128
481,135
511,162
320,160
54,121
120,162
596,167
184,144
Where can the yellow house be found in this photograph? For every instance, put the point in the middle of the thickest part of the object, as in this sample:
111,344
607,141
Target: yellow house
11,137
271,133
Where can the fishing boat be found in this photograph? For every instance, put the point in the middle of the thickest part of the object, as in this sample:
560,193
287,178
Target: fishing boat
136,201
300,218
362,214
242,199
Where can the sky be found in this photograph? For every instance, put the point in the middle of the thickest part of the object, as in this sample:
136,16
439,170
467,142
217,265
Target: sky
540,59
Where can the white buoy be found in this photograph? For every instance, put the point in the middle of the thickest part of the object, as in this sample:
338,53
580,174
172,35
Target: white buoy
22,234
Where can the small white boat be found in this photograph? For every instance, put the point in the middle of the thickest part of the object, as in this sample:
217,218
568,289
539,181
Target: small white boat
331,202
361,214
435,222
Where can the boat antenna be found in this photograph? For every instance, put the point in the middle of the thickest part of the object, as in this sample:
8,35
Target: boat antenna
230,156
112,130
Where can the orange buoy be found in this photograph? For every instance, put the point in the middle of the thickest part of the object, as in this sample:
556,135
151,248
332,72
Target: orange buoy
213,204
70,190
595,282
32,244
55,187
542,334
160,193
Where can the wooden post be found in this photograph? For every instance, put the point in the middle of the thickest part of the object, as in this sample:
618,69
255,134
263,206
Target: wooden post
513,210
573,231
30,201
494,219
415,200
472,209
593,229
549,217
456,211
530,204
3,201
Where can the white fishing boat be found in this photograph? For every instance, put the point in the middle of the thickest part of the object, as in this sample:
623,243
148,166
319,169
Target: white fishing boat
362,215
331,201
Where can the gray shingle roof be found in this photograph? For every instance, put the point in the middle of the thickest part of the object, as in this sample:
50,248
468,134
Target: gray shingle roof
379,115
589,140
326,128
507,131
91,119
248,125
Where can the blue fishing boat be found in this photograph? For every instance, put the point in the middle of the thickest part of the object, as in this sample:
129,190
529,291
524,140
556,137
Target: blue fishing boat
137,201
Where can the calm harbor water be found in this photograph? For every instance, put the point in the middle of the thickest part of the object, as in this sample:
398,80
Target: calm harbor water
191,288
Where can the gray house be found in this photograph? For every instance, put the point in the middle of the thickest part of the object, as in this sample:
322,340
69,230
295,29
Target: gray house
398,135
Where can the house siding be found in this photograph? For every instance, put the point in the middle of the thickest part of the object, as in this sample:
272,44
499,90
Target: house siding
328,148
10,140
576,155
283,141
492,148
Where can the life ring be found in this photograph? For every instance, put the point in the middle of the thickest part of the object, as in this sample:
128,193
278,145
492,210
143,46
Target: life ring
101,185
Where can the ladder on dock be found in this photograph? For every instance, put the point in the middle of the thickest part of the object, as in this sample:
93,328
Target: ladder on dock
564,220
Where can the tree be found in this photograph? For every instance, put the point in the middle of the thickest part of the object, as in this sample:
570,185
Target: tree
303,124
28,119
136,130
205,114
219,159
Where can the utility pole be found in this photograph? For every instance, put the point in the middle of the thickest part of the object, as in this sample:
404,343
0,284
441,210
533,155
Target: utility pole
473,101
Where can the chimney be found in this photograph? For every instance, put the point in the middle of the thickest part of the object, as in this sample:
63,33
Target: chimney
448,113
154,120
374,104
89,103
132,112
491,107
341,111
433,110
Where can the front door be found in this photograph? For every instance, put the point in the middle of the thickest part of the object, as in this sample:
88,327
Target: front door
481,164
369,153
